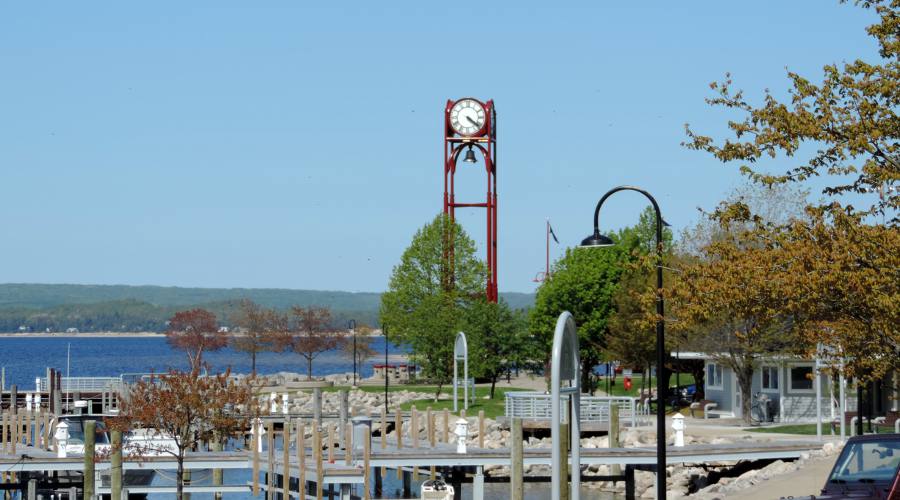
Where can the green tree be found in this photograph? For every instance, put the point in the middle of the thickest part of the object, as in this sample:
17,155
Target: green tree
584,282
498,339
429,292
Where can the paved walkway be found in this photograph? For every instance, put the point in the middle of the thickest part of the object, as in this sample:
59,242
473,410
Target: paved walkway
805,481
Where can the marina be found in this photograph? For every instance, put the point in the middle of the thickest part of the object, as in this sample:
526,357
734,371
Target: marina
340,455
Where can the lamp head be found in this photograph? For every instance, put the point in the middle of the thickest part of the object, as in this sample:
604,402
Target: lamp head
470,156
597,240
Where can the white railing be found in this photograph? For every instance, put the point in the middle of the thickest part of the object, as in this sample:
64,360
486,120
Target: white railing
82,384
536,406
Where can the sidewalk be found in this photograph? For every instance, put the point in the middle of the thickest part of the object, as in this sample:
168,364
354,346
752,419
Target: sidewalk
806,481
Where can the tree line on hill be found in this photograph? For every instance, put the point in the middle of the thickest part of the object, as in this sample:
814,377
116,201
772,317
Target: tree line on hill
132,315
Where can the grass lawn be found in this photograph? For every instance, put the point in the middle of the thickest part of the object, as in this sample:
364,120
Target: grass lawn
805,429
619,388
492,407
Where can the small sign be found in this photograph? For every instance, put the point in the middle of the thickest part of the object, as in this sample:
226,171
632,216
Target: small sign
626,372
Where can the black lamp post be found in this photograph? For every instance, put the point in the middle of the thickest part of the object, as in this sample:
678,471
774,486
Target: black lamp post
352,327
385,371
598,240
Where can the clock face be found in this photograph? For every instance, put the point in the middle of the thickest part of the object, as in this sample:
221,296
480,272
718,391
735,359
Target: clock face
467,117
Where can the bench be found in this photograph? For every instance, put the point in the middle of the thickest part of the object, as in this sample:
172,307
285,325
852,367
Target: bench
706,404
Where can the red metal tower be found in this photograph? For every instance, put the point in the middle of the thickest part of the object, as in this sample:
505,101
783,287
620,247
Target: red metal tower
470,125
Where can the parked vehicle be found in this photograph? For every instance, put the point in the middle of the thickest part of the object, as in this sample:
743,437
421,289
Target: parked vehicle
867,469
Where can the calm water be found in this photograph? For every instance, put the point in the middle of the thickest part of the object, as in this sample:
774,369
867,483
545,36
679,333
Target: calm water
27,358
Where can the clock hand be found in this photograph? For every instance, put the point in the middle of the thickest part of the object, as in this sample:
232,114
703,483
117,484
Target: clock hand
473,121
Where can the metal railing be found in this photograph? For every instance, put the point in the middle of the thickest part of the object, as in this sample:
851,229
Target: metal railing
82,384
536,406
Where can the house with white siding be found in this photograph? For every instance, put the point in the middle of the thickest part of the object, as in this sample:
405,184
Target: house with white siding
790,384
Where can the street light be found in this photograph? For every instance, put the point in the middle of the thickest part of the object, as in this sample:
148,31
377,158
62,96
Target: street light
352,327
598,240
385,371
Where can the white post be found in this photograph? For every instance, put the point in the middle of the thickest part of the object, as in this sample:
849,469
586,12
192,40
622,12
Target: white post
466,380
259,431
462,433
678,427
285,407
455,379
273,402
28,401
62,439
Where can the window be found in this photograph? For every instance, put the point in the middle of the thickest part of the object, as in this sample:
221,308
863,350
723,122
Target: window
714,376
770,378
801,378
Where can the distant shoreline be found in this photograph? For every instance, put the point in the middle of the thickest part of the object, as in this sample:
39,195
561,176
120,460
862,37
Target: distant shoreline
44,335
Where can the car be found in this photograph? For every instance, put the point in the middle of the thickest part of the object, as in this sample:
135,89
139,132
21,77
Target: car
868,468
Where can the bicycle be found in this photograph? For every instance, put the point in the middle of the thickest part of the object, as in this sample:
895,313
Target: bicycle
759,410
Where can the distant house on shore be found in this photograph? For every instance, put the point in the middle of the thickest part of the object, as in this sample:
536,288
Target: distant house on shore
71,330
789,384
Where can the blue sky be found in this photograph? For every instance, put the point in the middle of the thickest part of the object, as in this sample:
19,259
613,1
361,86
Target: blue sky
279,144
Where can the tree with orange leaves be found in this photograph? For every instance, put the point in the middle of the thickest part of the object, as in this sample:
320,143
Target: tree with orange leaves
188,409
195,332
311,335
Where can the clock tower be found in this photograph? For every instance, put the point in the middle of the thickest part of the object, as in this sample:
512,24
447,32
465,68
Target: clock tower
470,128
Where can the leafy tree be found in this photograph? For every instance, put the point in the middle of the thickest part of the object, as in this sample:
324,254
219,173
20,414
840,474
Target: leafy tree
839,267
843,281
195,331
734,298
429,291
584,283
189,409
498,339
845,127
259,329
311,335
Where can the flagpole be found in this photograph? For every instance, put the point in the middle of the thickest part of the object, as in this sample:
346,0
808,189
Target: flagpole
547,271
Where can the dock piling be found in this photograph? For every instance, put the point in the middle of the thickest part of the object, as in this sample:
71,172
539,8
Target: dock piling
300,430
286,458
344,407
90,428
115,472
481,428
367,456
317,458
270,461
317,405
517,467
614,442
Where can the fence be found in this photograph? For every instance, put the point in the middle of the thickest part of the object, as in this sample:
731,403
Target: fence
536,406
82,384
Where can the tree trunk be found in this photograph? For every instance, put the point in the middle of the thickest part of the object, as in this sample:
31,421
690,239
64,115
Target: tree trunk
493,385
437,395
309,368
179,478
253,363
745,381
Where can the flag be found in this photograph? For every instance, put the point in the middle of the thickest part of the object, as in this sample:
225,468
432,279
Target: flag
552,233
